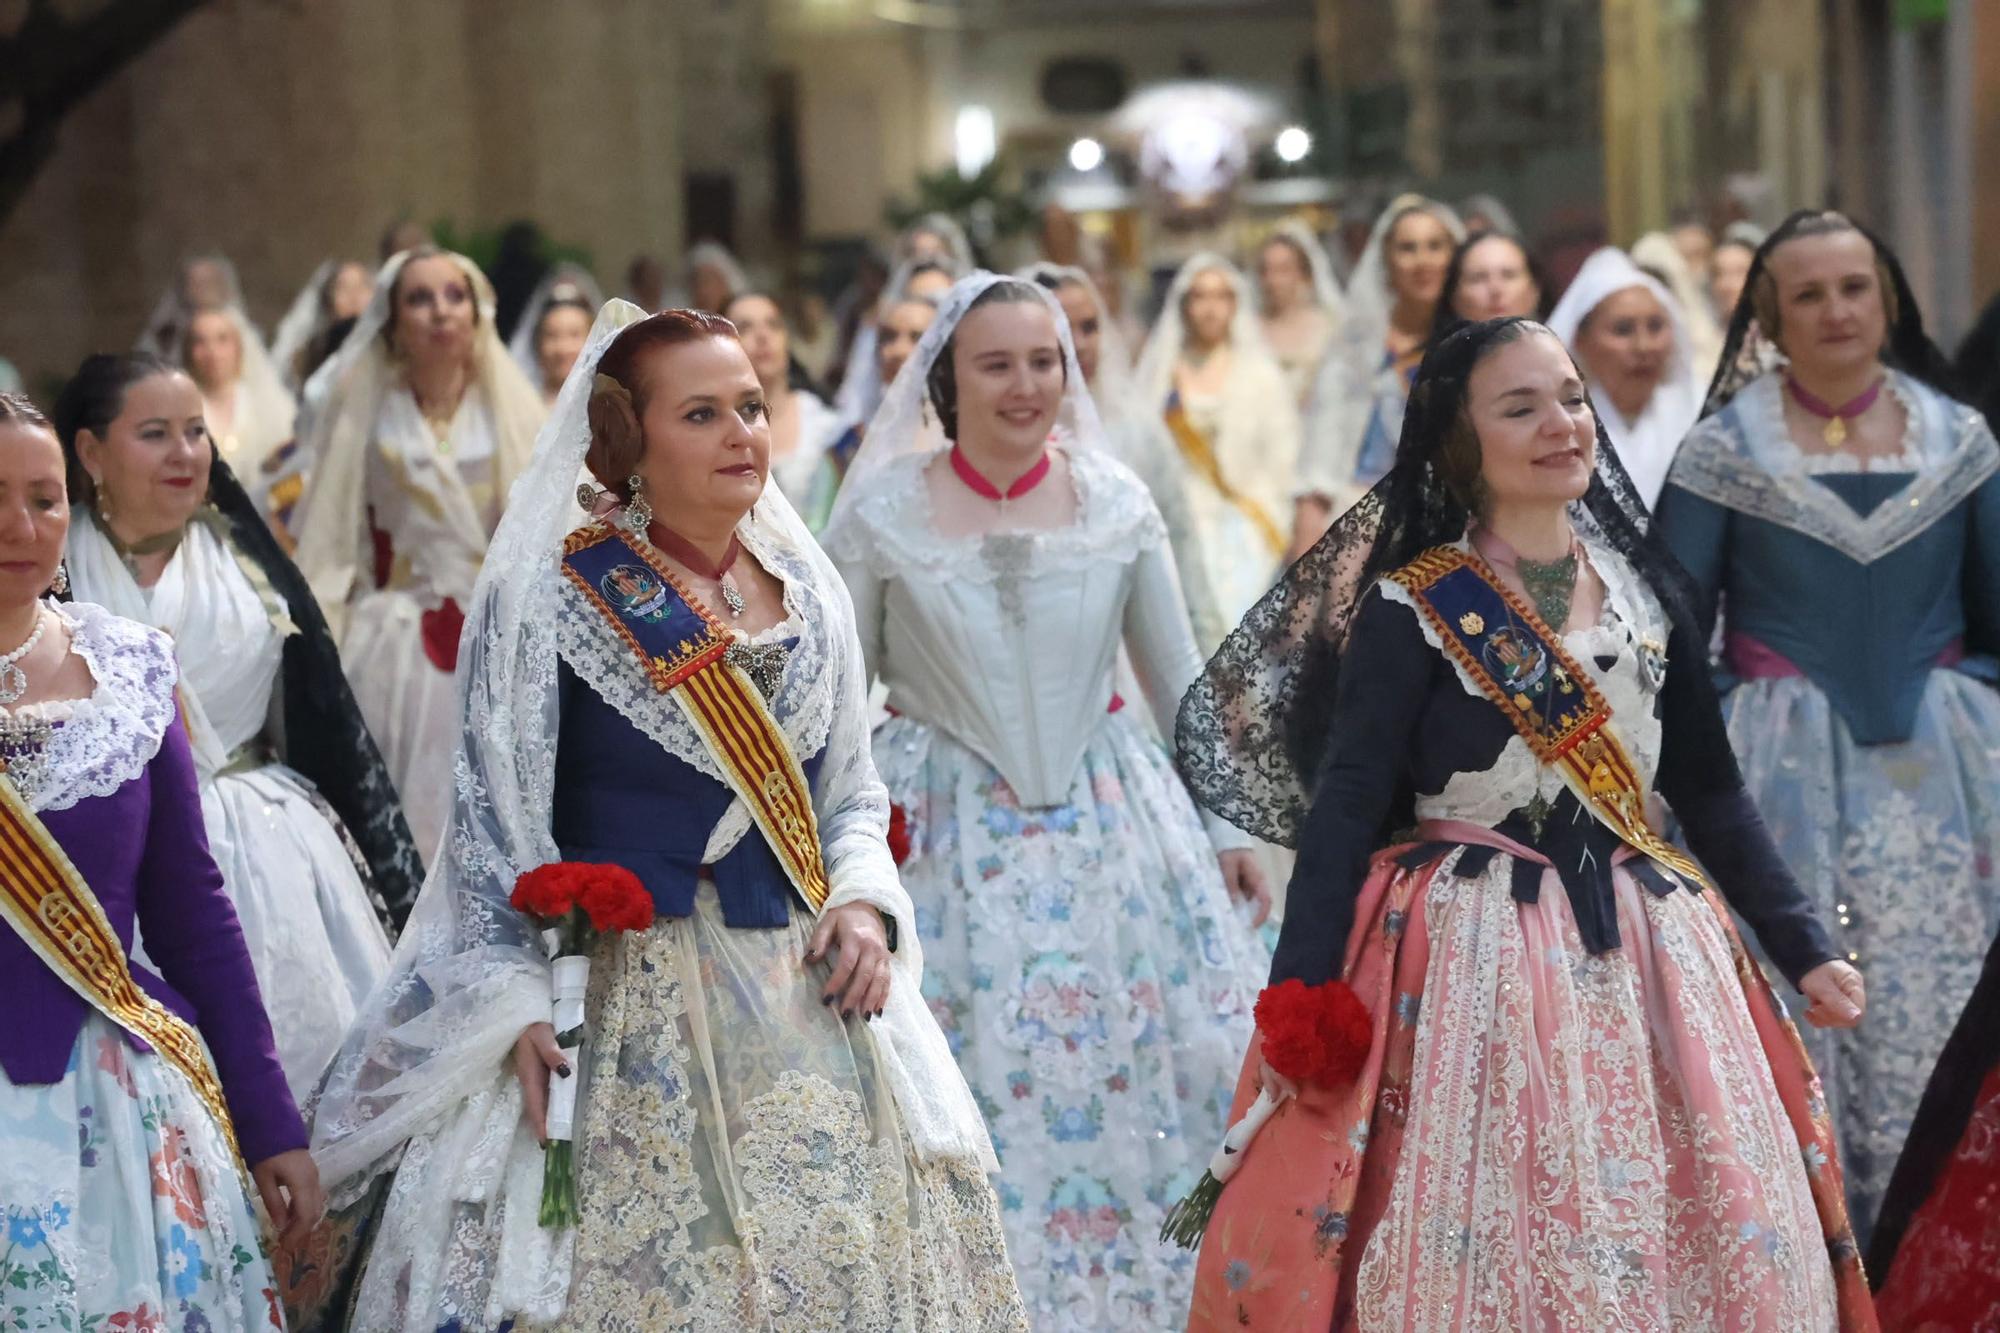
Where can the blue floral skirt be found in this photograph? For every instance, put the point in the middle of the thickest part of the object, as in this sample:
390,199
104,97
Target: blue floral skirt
123,1210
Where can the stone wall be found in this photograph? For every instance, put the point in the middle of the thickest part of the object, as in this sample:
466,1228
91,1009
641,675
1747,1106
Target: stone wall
283,131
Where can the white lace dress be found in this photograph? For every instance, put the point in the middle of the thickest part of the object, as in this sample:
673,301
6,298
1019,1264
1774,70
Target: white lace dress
1083,956
312,933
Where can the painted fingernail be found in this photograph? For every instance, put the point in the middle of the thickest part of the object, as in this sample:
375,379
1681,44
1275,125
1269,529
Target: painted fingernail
828,999
563,1069
846,1013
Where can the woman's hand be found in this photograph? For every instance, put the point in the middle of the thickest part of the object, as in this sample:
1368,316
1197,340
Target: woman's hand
860,980
1245,880
289,1186
535,1054
1271,1081
1837,994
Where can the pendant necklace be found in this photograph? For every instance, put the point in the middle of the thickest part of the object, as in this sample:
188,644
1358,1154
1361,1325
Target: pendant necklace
977,483
685,551
129,553
1550,584
13,680
1836,418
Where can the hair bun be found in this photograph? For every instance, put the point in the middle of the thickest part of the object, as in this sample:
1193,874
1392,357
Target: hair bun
616,439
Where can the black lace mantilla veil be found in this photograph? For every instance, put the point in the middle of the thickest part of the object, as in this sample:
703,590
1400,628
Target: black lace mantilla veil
1253,727
324,737
1747,353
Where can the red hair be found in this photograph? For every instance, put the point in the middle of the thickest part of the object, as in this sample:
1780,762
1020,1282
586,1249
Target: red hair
616,440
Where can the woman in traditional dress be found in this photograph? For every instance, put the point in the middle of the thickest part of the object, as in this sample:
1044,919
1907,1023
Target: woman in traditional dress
1659,255
1300,310
553,325
1086,961
893,337
1844,513
711,276
201,282
803,427
1569,1099
248,411
164,537
338,289
1492,276
1357,406
120,1177
426,423
1626,332
1935,1253
1226,405
769,1132
1730,266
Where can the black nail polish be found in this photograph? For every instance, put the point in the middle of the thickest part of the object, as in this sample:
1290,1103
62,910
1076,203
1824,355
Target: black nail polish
846,1014
828,999
563,1070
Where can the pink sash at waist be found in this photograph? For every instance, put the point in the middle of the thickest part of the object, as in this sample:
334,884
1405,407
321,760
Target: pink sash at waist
1753,659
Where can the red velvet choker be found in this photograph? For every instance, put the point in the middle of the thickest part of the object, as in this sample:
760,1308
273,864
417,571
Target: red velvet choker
685,551
1836,418
979,485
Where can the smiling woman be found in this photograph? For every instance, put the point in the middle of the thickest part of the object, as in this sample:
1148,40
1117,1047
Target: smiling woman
674,690
1490,650
1086,960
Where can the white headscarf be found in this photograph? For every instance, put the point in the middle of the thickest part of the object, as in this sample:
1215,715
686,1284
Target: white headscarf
353,383
427,1054
1343,398
1114,387
562,282
1656,253
957,259
1645,446
265,410
860,390
1154,377
1326,288
905,423
167,323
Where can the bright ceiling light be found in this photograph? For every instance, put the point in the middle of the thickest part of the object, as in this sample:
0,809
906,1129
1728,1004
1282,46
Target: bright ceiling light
1086,155
974,138
1294,143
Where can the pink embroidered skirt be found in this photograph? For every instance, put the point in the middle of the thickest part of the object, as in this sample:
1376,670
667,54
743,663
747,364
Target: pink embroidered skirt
1542,1138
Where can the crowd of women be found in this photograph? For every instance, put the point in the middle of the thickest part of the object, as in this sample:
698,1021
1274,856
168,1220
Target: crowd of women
637,816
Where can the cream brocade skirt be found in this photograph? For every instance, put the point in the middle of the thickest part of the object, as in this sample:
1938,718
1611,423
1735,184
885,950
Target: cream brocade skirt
741,1163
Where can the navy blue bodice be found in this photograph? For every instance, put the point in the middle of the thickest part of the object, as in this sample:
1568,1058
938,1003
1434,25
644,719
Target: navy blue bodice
1867,634
620,798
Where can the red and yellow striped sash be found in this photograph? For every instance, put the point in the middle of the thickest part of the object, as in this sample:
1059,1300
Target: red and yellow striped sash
1200,454
46,901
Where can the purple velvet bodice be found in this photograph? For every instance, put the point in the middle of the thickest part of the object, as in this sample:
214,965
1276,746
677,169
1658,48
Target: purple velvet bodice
144,852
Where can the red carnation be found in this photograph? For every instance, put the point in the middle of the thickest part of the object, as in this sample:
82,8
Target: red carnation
615,899
1314,1034
547,891
899,833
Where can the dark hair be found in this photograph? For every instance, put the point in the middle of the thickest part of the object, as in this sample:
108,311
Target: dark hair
1445,319
618,401
564,296
942,383
92,400
1762,287
797,377
323,345
1457,462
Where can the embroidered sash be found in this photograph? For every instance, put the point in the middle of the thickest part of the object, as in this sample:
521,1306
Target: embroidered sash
47,902
1555,706
1194,446
685,652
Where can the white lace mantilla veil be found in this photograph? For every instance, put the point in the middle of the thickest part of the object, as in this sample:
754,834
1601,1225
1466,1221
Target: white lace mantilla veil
265,401
1343,395
302,318
168,318
428,1053
860,391
1319,267
1154,377
905,423
522,345
1116,389
344,397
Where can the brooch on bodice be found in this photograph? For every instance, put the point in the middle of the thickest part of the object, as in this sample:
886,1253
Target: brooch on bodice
1006,555
763,663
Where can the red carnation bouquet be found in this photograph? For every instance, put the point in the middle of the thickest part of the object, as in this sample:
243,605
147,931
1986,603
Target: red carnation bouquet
1310,1034
575,902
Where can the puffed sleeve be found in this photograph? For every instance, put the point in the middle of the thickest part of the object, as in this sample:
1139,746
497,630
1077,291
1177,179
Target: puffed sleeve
1699,778
1160,642
1385,678
194,940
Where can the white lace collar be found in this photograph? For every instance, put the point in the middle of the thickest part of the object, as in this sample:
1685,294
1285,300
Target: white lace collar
107,739
1115,519
1744,459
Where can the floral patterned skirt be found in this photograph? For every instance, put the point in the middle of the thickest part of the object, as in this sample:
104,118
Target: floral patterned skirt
122,1210
1096,985
1896,845
741,1164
